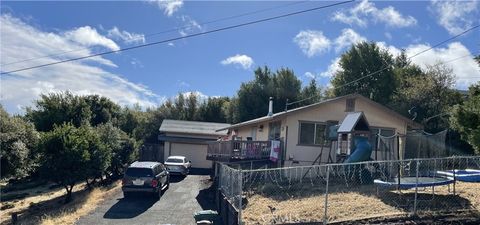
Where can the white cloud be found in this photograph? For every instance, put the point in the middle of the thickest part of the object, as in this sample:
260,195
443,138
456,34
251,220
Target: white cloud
364,11
310,75
244,61
347,38
200,96
455,16
189,25
466,69
21,41
126,36
332,68
312,42
169,7
88,37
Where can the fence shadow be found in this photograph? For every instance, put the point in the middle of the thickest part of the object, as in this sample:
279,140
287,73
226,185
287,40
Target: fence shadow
425,201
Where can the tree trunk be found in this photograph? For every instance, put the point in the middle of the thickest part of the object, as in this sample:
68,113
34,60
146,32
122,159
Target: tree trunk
69,189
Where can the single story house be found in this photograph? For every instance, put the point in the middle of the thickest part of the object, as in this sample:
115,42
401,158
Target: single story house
303,130
190,139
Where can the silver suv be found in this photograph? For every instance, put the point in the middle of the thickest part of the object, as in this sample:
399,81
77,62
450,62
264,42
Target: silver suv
146,177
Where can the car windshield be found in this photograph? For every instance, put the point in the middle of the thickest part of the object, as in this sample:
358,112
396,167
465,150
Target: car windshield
139,172
175,160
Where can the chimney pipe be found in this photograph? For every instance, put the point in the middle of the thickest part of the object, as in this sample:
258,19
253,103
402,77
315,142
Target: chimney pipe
270,107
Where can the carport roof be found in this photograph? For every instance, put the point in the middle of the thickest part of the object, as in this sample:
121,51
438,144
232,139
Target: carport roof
193,127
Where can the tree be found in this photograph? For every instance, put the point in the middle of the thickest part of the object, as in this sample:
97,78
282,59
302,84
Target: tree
120,146
286,86
311,93
66,155
191,107
19,141
212,110
429,95
253,96
102,109
65,107
465,118
363,59
58,108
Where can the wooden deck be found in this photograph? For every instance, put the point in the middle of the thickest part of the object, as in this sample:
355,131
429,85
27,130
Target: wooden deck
231,151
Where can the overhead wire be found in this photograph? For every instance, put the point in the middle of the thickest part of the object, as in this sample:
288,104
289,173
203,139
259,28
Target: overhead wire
386,66
181,37
166,31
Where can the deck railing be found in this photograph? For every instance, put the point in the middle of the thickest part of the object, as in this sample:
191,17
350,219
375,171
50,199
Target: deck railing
238,150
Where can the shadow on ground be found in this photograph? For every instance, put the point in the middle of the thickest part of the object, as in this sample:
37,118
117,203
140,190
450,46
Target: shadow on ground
425,201
51,208
206,197
130,207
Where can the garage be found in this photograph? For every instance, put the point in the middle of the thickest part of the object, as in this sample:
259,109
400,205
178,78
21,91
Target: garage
190,139
197,153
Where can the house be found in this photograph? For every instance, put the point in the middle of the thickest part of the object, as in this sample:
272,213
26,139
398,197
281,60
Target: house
189,139
305,132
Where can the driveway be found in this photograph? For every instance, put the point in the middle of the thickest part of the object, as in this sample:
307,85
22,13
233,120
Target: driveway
176,206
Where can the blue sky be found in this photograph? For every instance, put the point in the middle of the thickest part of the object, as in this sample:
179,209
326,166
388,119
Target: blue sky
215,64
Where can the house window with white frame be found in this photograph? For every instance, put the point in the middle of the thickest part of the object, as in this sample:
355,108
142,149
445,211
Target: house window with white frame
311,133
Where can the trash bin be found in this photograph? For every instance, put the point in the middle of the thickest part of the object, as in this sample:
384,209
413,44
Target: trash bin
205,216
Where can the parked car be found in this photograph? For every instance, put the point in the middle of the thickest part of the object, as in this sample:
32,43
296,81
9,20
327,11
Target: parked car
178,165
146,177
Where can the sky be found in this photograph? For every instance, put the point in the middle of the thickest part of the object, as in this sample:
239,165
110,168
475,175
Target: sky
36,33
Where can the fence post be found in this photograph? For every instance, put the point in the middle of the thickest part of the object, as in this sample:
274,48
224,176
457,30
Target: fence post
325,219
416,189
240,184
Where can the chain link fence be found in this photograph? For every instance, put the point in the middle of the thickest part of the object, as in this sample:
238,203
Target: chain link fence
356,191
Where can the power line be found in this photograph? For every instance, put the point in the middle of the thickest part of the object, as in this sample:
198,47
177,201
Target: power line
385,66
180,38
167,31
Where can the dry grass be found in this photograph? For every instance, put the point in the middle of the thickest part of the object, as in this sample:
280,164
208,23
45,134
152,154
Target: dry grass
46,206
69,215
354,203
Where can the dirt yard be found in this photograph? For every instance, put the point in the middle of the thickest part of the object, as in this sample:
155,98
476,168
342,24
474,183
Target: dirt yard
44,205
355,203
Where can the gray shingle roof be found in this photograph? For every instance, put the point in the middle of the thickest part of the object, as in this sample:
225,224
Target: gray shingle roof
350,121
193,127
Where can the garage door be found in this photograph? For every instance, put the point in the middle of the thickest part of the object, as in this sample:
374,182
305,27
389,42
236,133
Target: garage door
196,153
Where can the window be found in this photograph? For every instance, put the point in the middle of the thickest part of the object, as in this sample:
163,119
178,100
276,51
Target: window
311,133
274,130
139,172
350,105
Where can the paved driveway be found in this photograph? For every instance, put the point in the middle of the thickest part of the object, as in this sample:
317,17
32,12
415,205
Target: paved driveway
176,206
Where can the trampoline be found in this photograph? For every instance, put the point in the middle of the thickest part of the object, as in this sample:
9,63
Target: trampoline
410,182
467,175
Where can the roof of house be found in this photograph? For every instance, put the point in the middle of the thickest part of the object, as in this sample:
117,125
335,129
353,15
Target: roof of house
193,127
284,113
351,121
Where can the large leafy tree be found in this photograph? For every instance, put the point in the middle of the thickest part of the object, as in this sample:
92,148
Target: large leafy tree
366,59
19,141
69,154
65,107
119,145
212,110
428,96
311,93
465,118
253,96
